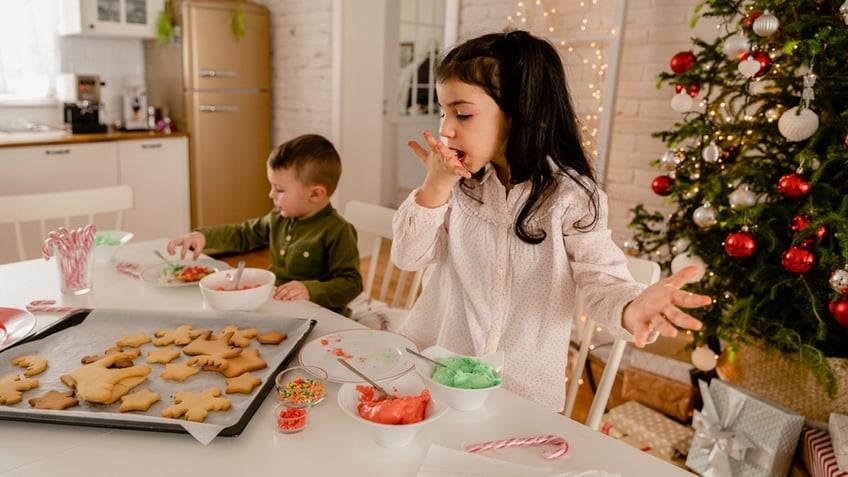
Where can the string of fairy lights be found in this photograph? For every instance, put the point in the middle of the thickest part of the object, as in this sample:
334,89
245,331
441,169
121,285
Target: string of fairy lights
585,48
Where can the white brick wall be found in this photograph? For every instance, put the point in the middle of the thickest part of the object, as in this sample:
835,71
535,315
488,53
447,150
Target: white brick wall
655,30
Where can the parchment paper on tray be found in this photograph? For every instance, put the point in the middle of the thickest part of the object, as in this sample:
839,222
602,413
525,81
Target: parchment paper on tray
99,331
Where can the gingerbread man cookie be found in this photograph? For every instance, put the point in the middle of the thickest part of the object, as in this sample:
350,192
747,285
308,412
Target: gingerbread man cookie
196,406
33,364
12,387
98,382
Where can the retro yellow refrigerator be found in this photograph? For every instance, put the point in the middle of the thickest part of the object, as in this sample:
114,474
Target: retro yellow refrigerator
217,87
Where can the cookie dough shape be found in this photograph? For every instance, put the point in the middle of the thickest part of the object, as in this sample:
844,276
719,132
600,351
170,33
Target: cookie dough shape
56,400
121,363
138,401
162,355
249,360
243,383
178,371
33,364
196,406
271,337
217,346
241,337
180,336
134,340
12,388
98,382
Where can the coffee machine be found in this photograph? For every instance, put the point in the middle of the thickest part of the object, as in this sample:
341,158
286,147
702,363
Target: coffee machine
82,106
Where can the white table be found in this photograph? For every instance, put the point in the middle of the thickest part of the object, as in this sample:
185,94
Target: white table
332,445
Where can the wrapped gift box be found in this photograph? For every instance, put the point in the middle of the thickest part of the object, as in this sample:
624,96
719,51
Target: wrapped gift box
666,357
670,397
740,434
655,430
818,456
838,428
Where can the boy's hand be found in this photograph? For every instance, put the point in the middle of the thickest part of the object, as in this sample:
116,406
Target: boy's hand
191,241
293,290
655,311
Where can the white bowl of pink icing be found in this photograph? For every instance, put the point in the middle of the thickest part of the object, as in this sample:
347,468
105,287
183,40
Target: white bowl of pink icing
409,396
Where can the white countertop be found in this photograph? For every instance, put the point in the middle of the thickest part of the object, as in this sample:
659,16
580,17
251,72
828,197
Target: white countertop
331,445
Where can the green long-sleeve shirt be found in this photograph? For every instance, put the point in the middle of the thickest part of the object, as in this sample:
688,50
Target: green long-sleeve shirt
320,251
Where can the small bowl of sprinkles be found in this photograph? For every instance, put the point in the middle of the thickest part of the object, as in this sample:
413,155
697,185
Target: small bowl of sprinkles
301,386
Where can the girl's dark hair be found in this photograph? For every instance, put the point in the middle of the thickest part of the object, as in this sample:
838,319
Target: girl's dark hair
525,77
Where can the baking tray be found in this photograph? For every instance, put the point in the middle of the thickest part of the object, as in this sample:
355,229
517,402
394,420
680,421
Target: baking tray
91,332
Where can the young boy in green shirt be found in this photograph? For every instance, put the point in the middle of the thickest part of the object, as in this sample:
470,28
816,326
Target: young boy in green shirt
313,250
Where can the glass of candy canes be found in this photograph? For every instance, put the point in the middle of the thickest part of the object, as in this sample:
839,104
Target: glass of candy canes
74,256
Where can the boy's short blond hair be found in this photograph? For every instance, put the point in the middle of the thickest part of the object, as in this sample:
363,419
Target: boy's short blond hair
313,159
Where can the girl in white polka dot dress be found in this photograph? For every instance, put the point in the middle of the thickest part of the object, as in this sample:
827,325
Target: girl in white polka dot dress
509,222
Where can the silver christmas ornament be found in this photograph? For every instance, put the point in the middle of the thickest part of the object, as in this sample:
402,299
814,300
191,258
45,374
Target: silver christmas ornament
670,160
711,153
736,46
766,24
681,102
704,216
742,198
680,245
631,247
797,126
839,281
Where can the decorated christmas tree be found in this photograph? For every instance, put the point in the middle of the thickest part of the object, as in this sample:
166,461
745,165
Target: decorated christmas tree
756,175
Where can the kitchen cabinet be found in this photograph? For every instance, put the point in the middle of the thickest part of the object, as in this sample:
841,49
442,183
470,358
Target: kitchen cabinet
110,18
157,170
155,167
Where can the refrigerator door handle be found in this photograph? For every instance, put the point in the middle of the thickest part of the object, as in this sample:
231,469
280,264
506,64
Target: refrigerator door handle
208,73
216,108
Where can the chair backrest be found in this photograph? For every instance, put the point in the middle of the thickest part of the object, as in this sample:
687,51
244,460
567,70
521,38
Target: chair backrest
65,206
643,271
399,288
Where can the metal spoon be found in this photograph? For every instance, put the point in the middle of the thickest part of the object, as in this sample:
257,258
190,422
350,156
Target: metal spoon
366,378
239,271
172,265
426,358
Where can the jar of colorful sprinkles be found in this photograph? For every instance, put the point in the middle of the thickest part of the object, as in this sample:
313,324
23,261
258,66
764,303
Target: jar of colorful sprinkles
301,386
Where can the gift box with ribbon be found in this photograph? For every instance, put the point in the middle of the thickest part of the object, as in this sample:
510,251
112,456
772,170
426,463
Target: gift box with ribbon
837,427
654,430
818,455
740,434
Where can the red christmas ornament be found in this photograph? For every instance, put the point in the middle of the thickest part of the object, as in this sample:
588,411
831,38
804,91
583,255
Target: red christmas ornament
798,260
694,89
681,62
821,232
661,185
749,20
762,58
800,222
839,310
740,244
793,186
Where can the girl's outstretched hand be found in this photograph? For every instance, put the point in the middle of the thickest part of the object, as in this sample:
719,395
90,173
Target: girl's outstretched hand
443,170
655,311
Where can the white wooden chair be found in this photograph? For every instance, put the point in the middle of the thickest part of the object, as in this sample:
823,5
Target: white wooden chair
644,271
387,307
63,208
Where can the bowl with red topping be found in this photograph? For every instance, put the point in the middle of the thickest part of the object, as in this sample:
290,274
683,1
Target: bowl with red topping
254,289
391,422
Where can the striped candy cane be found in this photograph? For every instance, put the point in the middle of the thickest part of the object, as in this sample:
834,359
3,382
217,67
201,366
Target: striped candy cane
49,306
560,443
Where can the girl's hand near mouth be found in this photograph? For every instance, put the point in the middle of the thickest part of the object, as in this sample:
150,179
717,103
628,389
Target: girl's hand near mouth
444,169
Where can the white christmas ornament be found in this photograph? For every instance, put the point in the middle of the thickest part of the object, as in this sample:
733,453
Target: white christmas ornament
749,67
736,46
797,126
684,260
682,102
742,198
631,247
766,24
681,245
704,358
704,216
711,153
670,160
